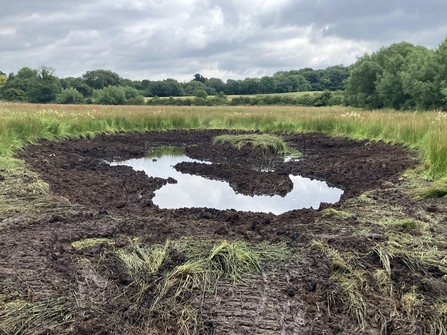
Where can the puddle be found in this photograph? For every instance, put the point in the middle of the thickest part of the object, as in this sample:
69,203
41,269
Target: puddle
196,191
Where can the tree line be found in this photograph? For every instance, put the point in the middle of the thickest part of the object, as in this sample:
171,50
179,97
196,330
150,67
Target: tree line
400,76
106,87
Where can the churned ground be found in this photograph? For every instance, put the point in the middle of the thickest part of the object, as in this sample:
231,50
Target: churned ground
83,249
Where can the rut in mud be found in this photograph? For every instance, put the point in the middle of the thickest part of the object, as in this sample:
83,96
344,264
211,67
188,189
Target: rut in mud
39,262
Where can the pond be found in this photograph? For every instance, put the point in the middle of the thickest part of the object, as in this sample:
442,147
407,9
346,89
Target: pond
195,191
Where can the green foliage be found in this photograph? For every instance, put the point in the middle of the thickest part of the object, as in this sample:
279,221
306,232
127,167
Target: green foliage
201,94
3,81
70,96
193,86
45,87
111,95
13,94
164,88
401,76
99,79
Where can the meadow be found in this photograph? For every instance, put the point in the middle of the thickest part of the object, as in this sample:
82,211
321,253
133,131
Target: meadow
425,131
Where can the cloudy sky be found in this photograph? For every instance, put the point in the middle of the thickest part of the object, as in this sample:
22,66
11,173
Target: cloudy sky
156,39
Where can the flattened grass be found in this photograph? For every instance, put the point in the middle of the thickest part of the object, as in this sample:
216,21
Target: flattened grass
199,266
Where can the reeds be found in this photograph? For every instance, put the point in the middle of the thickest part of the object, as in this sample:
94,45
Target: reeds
25,123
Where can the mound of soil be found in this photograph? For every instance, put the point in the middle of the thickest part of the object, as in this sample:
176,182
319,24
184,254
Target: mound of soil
115,202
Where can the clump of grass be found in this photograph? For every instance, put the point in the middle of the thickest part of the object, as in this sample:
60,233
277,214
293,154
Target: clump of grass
268,143
432,193
91,242
349,280
437,317
203,265
21,315
332,212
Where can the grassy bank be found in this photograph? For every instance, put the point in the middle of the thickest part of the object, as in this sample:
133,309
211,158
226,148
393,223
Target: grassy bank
22,123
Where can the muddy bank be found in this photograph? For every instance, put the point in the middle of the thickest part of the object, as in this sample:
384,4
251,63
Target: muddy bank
97,200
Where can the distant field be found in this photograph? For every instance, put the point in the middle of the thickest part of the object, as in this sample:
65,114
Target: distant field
231,97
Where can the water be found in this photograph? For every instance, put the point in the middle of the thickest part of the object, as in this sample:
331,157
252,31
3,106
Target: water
196,191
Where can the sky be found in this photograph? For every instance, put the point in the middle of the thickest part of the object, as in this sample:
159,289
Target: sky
227,39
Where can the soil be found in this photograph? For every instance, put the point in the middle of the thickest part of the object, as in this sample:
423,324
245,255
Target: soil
95,200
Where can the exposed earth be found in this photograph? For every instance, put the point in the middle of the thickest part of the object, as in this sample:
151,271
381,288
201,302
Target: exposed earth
86,290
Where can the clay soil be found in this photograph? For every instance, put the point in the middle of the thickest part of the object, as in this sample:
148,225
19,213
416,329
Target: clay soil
88,198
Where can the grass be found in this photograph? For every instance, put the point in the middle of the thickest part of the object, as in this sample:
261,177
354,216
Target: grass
203,265
268,143
20,315
232,96
26,123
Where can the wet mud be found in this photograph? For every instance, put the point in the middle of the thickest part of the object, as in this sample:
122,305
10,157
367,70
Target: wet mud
97,200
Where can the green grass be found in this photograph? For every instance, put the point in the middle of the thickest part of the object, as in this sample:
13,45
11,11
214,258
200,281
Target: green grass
25,123
268,143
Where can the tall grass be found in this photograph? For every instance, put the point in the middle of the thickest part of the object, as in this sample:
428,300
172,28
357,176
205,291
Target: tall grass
24,123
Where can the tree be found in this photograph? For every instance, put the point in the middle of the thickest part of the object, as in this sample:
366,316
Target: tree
77,83
441,75
199,77
193,86
3,80
267,85
45,87
389,83
21,80
98,79
419,79
111,95
70,96
249,86
231,87
300,84
14,94
201,94
361,84
215,83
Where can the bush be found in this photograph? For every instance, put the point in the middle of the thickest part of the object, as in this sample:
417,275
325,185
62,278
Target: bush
111,95
201,94
13,94
70,96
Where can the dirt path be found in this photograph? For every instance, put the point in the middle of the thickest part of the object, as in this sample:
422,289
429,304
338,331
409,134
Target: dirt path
92,199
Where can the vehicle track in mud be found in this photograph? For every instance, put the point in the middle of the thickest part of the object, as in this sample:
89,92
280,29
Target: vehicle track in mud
116,202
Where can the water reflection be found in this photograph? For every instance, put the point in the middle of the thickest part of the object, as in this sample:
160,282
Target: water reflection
196,191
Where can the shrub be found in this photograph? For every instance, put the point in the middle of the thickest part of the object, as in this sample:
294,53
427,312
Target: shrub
111,95
70,96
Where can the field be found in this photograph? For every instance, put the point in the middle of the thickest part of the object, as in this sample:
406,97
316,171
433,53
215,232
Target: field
85,251
231,97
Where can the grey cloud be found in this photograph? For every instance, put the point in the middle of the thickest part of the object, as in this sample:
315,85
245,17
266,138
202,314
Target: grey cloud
150,38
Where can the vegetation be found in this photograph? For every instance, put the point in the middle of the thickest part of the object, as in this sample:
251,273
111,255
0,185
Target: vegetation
21,124
204,264
413,243
401,76
105,87
267,143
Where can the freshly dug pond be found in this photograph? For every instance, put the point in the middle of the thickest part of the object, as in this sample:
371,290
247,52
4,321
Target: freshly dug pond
193,189
68,251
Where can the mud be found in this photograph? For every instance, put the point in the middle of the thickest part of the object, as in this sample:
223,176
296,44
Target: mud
97,200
